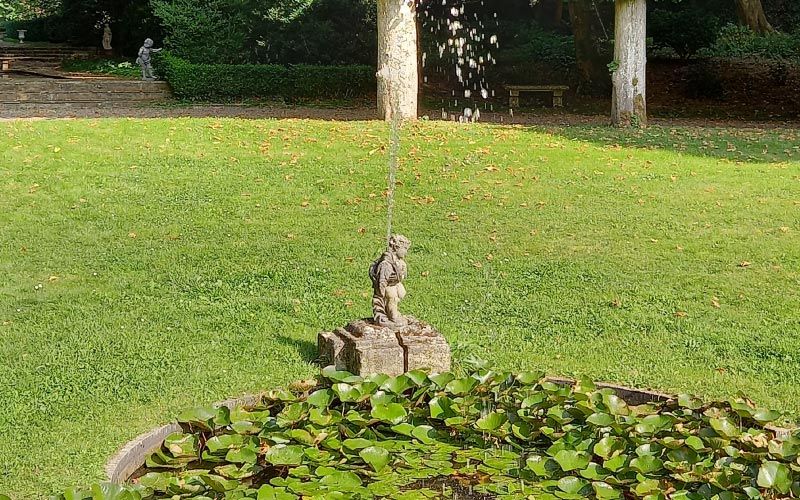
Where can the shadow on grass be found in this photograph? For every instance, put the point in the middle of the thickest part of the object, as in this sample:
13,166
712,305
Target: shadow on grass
307,350
758,143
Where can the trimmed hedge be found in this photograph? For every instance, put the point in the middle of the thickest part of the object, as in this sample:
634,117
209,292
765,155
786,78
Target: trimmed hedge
247,81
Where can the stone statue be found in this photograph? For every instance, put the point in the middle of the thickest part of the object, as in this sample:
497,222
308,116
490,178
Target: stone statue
387,275
106,37
144,59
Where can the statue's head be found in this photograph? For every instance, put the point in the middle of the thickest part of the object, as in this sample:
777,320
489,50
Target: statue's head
399,244
148,42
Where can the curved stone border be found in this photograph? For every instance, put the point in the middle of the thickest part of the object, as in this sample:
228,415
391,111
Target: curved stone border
133,455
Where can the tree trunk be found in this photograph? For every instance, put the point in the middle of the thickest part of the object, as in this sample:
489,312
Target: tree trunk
629,103
398,78
592,69
751,14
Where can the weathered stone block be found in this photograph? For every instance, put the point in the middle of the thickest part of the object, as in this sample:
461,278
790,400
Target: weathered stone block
364,348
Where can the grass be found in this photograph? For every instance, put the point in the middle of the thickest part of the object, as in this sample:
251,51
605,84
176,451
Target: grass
151,265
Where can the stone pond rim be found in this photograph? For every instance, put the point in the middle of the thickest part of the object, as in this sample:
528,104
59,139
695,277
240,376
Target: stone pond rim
132,455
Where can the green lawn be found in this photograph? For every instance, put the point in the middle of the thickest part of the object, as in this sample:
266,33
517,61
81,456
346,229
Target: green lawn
150,265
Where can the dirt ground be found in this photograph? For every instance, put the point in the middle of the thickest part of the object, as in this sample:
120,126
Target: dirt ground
363,111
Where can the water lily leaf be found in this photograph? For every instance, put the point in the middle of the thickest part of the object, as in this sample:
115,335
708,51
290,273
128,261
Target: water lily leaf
425,433
776,476
615,405
111,491
683,454
461,387
347,393
321,398
419,377
182,445
376,457
572,484
616,463
605,490
357,443
334,375
404,429
442,379
285,455
397,385
647,464
69,494
594,472
752,493
609,447
695,443
302,436
534,400
233,471
724,427
689,401
653,424
393,413
491,421
572,460
224,442
219,483
584,386
269,492
600,419
765,416
341,481
440,407
206,418
647,487
530,378
242,456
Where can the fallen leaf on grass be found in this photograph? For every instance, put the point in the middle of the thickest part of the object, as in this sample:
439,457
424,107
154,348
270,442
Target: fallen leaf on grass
744,263
681,314
715,302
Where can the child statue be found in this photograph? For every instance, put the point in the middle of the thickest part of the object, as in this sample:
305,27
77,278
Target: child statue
144,59
387,275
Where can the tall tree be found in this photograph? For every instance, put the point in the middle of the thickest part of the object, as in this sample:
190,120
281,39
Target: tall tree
751,14
629,102
398,78
592,66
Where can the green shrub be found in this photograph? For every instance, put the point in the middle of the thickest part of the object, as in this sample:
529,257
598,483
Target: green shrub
740,42
120,68
685,31
44,29
247,81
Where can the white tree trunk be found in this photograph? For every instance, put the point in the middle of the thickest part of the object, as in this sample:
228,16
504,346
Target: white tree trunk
398,79
629,102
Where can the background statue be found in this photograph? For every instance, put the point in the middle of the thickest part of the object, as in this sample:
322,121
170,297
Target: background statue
106,37
387,275
144,59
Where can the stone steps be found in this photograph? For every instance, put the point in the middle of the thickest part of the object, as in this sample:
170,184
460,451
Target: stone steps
46,54
114,92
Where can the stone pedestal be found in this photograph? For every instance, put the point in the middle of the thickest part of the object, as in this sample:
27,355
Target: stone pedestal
363,348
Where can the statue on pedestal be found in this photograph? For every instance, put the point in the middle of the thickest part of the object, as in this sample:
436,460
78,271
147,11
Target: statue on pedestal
387,275
107,37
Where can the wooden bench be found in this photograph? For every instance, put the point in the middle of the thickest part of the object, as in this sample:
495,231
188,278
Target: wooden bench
556,90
